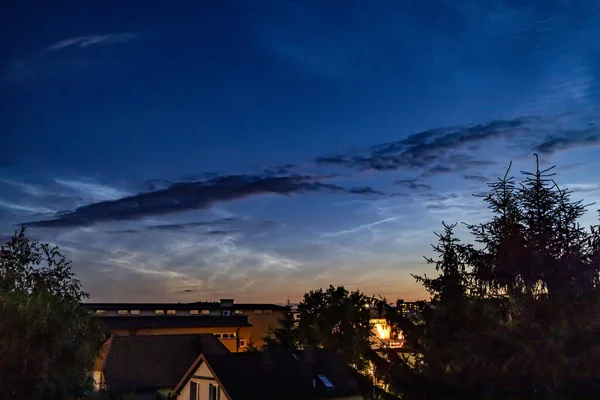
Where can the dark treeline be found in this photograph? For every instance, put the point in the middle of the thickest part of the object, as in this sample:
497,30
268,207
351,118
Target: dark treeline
515,314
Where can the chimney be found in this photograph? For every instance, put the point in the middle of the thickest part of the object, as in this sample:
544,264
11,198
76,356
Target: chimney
226,302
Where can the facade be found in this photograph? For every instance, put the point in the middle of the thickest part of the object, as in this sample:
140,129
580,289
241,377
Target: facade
236,325
267,375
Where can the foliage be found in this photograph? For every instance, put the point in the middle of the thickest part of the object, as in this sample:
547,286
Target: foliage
31,267
285,336
337,319
514,315
48,341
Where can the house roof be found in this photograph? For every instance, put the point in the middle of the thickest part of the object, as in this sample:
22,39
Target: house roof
153,362
249,375
182,306
144,322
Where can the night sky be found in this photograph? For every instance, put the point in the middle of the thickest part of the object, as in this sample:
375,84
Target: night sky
192,150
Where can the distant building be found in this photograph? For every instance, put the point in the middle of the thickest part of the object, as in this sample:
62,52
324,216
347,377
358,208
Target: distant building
236,325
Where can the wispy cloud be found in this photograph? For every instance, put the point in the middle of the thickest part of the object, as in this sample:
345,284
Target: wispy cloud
195,195
588,137
86,41
449,149
358,228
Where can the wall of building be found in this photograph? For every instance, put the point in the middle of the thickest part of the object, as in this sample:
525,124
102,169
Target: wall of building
203,377
261,323
231,343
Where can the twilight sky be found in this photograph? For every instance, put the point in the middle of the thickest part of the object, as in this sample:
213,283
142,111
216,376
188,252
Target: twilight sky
192,150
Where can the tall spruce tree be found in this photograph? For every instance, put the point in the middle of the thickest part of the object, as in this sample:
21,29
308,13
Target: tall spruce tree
514,315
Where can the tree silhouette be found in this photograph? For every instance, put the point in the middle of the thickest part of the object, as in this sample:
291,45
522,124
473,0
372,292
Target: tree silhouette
285,336
516,314
48,340
337,319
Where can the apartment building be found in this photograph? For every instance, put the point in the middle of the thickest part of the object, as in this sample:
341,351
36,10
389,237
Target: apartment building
236,324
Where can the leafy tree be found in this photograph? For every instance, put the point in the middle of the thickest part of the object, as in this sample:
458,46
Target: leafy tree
337,319
285,336
48,341
514,315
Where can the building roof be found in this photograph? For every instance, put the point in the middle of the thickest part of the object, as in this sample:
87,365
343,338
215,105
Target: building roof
281,375
153,362
161,321
182,306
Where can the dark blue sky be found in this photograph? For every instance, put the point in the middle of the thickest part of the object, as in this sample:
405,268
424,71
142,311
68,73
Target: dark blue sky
260,149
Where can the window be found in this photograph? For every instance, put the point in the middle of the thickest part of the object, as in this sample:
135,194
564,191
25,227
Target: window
213,392
242,343
205,312
193,312
100,311
228,335
325,381
268,311
159,312
171,312
135,312
194,395
123,312
238,312
258,311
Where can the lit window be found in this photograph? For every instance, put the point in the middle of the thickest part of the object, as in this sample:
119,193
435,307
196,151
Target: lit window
193,312
100,311
205,312
159,312
135,312
238,312
123,312
171,312
258,311
268,311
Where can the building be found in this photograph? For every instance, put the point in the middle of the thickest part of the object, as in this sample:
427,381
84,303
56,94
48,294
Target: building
308,374
145,365
383,336
236,325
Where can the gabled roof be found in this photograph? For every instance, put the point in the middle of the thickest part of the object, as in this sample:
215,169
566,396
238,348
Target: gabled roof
250,376
152,362
161,321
